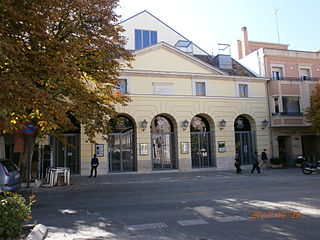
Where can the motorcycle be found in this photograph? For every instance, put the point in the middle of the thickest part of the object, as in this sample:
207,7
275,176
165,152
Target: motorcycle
309,167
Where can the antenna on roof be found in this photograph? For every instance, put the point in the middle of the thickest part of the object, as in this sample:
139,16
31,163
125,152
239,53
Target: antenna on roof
276,14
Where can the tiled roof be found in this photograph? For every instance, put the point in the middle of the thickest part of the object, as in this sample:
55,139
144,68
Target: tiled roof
237,68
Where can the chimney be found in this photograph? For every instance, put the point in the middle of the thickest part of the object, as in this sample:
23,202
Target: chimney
244,42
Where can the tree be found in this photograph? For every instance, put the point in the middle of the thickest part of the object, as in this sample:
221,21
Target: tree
313,112
59,63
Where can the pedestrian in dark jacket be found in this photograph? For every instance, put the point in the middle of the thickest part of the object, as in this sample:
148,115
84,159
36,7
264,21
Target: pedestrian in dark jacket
255,162
94,165
237,163
264,158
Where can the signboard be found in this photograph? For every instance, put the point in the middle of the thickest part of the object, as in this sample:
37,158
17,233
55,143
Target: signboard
29,129
221,146
99,150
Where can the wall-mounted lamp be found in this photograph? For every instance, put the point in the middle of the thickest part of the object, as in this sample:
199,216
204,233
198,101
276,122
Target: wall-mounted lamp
185,124
144,124
223,123
264,124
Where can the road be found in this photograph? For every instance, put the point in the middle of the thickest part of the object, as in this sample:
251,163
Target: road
276,204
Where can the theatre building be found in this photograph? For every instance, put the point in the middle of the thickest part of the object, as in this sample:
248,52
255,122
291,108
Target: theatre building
189,110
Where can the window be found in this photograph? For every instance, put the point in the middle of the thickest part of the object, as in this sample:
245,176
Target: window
162,88
277,73
276,105
145,38
291,105
185,46
123,86
243,90
200,88
305,74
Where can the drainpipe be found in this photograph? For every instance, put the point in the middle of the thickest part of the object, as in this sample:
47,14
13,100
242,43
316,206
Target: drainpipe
270,117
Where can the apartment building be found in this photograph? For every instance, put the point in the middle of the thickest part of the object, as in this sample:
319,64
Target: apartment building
293,76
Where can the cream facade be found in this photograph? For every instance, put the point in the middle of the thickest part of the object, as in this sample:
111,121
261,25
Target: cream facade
189,110
179,71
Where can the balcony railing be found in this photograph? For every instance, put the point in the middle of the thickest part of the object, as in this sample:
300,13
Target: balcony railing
295,78
287,114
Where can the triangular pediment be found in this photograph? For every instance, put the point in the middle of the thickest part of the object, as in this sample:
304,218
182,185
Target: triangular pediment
164,58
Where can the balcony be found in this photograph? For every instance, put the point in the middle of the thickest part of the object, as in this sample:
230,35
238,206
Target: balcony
295,79
287,114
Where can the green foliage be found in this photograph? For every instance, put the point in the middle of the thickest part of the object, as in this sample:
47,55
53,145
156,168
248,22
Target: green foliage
275,161
14,212
59,65
313,112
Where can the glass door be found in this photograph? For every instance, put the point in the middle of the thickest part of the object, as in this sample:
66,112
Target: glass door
244,146
162,155
200,149
121,152
67,154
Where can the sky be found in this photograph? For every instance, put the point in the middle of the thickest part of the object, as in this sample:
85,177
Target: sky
209,22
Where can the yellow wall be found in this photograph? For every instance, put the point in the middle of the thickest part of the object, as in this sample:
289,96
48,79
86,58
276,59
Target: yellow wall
220,103
162,59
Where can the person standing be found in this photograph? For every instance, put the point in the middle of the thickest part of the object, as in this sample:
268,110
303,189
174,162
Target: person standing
94,165
237,163
264,158
255,162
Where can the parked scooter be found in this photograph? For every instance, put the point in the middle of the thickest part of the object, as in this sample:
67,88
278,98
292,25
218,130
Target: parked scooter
310,167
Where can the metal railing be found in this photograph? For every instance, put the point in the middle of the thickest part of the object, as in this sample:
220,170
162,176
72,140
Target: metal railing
295,78
287,114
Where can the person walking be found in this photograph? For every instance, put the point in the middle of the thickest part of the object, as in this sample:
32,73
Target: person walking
237,163
94,165
255,162
264,158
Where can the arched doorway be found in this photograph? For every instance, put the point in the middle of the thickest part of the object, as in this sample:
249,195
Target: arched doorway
201,153
122,147
244,139
163,143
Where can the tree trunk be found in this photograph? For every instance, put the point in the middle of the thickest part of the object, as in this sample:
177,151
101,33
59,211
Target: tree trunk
25,166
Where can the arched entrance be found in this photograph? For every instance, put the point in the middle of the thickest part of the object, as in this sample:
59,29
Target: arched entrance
244,139
201,153
122,147
163,143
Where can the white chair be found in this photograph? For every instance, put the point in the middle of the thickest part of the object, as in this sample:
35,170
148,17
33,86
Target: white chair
55,172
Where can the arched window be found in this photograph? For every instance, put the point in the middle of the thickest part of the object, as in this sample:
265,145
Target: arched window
163,143
244,139
201,144
122,147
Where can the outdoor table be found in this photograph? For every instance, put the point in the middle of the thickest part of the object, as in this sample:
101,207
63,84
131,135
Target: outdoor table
54,172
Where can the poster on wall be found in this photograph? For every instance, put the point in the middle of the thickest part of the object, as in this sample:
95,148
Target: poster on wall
221,146
184,147
99,150
143,149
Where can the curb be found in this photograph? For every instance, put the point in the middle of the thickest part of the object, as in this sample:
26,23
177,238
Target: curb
39,232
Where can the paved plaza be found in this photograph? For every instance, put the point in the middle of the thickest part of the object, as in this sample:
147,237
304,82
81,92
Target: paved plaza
198,205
